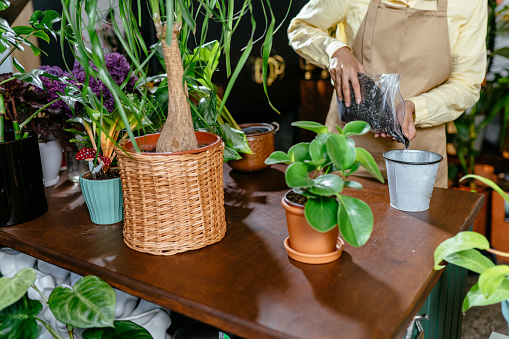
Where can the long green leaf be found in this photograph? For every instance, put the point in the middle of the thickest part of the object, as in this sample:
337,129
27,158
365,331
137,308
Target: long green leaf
491,279
475,297
366,160
460,242
355,220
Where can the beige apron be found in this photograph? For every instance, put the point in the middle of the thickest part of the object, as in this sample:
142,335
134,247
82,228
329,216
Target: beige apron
415,44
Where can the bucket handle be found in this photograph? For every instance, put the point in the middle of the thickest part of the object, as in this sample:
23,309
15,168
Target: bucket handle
276,126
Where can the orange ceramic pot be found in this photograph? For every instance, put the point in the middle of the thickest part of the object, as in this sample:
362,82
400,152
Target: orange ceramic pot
260,137
306,244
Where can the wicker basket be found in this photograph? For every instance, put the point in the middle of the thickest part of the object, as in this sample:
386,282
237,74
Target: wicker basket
173,202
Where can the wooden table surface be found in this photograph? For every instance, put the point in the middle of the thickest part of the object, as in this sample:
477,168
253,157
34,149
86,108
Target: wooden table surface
246,284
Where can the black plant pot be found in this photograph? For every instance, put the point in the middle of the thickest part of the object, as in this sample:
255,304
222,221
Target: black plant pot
22,194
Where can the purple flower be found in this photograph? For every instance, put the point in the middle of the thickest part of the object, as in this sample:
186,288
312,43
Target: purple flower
119,69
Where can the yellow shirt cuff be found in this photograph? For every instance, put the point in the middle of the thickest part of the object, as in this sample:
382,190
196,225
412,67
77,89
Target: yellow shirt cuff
421,112
332,48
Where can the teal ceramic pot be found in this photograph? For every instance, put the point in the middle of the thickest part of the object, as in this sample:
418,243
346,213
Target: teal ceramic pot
103,199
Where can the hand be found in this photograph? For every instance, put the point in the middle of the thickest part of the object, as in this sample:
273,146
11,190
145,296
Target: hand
343,71
407,125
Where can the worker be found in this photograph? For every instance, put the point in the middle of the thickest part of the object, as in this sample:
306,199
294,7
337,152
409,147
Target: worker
438,47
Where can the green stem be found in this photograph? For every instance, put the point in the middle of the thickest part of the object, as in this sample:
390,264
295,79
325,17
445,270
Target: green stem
2,115
39,291
37,112
50,329
17,130
69,331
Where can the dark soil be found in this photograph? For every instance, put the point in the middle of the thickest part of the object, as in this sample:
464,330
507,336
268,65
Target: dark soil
153,150
111,174
255,130
373,110
296,198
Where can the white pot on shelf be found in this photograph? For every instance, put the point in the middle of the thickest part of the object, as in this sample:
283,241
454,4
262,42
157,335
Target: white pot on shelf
51,159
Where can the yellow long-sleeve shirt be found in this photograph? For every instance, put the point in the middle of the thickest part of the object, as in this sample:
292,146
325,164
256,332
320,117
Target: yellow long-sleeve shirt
467,20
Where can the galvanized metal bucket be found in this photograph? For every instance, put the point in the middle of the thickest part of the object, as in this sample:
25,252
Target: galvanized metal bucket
411,175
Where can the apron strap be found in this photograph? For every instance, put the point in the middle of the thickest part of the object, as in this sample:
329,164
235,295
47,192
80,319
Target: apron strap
367,35
442,5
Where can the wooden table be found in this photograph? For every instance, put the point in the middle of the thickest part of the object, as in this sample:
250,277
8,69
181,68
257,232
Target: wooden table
246,284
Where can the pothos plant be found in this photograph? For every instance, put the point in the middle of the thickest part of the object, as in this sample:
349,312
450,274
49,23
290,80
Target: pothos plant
89,304
463,250
319,170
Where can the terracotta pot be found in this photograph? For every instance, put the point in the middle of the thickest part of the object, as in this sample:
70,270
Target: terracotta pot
500,226
306,244
260,137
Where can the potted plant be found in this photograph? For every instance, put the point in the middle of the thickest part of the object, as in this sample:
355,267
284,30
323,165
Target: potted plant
22,196
177,189
88,304
317,173
92,106
463,250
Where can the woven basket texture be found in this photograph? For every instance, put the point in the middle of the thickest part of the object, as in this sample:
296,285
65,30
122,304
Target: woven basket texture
172,203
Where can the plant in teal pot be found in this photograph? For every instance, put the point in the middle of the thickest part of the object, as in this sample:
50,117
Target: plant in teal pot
316,207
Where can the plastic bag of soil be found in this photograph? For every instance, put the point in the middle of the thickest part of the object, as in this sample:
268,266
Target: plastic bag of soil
382,105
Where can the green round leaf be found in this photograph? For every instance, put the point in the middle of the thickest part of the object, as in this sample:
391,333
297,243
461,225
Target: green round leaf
356,128
460,242
18,319
90,303
312,126
321,213
353,184
299,152
296,175
341,151
355,220
122,329
277,157
12,289
327,185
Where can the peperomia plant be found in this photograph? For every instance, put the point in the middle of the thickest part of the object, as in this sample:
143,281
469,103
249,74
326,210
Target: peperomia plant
463,250
89,304
310,173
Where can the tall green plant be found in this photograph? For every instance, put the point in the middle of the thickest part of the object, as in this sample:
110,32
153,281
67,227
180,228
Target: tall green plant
176,22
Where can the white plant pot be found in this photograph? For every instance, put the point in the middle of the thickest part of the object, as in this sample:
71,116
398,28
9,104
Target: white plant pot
51,159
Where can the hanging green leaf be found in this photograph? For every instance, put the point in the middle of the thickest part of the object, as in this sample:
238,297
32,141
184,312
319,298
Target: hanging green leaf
355,220
122,329
475,297
90,303
12,289
460,242
312,126
19,319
